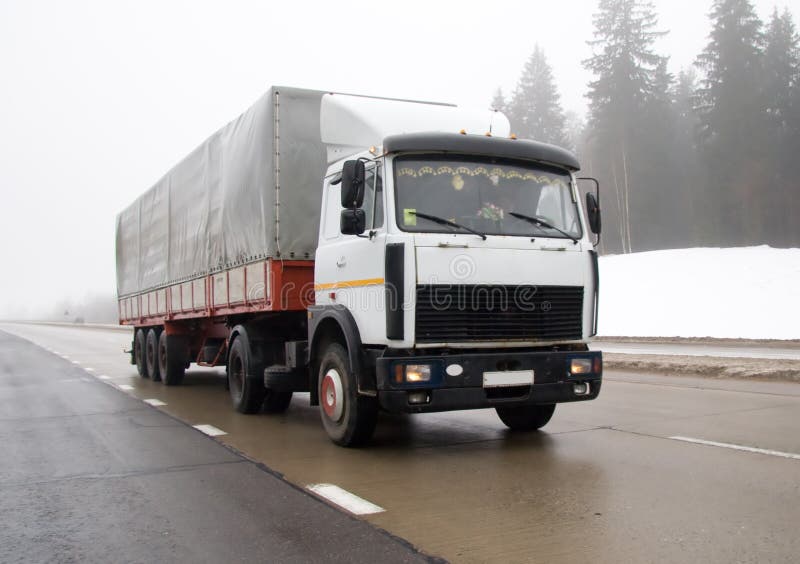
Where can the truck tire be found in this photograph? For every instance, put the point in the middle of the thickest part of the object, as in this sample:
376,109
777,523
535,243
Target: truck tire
277,402
172,356
151,354
138,353
526,417
245,377
348,418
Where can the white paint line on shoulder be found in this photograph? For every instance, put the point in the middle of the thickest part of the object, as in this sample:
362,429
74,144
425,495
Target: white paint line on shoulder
209,430
739,447
346,500
154,402
125,387
89,369
76,362
104,377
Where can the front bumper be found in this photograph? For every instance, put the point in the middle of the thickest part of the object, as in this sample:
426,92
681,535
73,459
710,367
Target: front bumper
446,391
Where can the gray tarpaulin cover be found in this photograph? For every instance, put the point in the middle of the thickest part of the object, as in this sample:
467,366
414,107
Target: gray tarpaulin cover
230,201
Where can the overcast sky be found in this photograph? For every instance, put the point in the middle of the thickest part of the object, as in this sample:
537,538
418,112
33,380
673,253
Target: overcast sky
99,99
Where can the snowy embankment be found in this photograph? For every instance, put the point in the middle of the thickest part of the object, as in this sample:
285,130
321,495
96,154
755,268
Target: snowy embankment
745,293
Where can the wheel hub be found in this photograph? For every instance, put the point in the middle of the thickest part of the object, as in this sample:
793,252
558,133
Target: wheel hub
331,396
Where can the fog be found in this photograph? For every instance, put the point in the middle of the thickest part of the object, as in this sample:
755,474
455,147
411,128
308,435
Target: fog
99,99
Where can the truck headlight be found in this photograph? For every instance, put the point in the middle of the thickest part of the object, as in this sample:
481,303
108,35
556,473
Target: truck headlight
418,373
580,366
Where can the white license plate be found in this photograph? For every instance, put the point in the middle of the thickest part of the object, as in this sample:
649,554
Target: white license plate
508,378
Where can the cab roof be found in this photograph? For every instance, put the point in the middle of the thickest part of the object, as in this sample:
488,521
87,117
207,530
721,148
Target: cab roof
481,145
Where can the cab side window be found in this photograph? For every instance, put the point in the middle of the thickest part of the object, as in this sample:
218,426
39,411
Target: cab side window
373,197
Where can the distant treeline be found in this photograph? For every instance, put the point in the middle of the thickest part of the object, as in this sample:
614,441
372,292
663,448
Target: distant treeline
710,157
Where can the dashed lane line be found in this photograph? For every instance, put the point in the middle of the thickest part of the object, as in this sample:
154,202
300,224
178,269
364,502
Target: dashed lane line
154,402
209,430
125,387
743,448
344,499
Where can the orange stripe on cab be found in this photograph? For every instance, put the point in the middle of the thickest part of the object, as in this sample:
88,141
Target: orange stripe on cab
348,284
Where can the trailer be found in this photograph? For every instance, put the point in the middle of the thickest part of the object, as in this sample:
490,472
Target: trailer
381,254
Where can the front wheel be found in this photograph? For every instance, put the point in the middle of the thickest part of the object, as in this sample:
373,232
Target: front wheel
348,418
526,417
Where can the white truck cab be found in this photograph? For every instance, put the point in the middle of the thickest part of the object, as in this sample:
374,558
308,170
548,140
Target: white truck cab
455,271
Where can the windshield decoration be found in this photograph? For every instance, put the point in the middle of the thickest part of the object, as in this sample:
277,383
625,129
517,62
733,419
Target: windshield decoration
495,174
446,194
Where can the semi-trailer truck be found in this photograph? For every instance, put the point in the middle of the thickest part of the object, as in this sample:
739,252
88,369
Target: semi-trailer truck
380,254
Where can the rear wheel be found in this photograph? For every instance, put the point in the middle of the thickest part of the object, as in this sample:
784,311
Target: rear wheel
348,418
151,354
526,417
172,357
245,377
138,353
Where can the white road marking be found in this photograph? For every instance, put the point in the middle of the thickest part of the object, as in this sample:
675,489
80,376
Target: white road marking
345,499
125,387
154,402
89,369
104,377
209,430
76,362
739,447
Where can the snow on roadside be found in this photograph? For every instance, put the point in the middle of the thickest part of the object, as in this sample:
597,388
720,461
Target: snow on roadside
747,292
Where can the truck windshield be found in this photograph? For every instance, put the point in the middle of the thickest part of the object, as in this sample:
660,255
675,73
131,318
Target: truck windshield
481,194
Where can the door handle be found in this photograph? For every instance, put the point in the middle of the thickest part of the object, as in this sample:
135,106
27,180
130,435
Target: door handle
341,261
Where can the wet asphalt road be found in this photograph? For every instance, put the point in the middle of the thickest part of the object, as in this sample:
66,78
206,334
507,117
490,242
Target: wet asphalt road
89,474
606,481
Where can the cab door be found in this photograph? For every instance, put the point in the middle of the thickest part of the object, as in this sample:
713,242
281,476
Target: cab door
349,269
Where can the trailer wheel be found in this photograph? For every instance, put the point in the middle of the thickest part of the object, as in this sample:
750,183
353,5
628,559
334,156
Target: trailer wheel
171,358
277,402
151,354
139,353
245,377
348,418
526,417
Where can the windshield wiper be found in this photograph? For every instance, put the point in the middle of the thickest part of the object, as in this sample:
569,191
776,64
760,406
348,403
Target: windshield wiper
443,221
542,223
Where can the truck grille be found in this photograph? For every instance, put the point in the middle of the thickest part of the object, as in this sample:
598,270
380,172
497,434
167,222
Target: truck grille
450,313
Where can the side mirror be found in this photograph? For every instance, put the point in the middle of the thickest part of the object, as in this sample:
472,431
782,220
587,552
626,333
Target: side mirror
353,175
353,221
593,213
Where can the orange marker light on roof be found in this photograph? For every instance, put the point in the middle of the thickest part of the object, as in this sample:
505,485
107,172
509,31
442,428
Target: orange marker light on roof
488,134
463,132
512,136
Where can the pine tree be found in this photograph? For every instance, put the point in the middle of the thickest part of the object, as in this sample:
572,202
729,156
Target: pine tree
782,103
625,66
498,101
732,123
535,108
